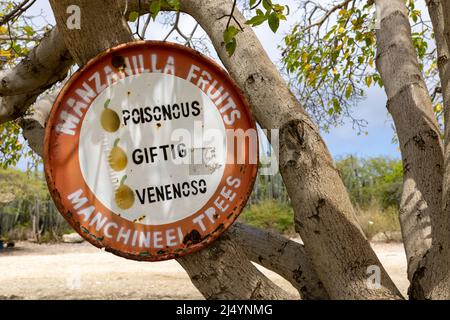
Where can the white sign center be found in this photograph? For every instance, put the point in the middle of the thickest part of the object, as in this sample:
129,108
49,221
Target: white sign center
144,148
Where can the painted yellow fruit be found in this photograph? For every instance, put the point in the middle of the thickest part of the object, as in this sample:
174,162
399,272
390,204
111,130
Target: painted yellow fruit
124,196
109,119
117,157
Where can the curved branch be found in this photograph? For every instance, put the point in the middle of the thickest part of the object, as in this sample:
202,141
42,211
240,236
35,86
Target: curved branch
327,14
45,65
222,271
281,255
33,124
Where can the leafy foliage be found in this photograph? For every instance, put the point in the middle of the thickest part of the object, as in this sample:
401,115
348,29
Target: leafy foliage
229,37
374,220
265,11
271,215
17,36
10,147
273,14
24,185
330,57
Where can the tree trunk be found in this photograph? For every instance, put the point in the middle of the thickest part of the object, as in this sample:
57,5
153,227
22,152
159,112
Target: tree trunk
324,215
233,274
441,31
33,124
422,153
435,268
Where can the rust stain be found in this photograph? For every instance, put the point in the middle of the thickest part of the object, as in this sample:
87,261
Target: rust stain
192,237
140,219
118,61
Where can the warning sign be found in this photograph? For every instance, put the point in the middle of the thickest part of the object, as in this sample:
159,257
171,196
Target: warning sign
150,151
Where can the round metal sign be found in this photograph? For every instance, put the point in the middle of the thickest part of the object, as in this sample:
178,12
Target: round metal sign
150,151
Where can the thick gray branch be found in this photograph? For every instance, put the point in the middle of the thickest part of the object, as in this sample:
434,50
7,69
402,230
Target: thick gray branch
33,124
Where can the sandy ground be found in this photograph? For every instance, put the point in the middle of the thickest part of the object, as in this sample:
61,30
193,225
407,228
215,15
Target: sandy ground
81,271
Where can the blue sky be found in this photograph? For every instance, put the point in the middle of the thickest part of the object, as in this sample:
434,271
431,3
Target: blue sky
344,140
341,141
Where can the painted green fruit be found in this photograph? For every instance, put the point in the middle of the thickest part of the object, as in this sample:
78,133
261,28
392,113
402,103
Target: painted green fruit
117,157
109,119
124,196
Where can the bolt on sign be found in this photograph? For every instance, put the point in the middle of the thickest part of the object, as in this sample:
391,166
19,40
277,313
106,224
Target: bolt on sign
151,151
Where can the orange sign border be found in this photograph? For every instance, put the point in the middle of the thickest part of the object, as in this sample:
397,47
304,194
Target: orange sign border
244,190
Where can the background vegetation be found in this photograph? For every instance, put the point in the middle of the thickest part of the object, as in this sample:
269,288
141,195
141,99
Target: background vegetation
26,208
374,185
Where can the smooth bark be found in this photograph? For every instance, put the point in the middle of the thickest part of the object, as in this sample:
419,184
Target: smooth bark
424,225
222,271
44,66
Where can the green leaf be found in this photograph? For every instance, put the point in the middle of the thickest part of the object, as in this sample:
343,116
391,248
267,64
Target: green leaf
133,16
252,3
28,30
348,91
174,4
230,33
231,47
267,4
274,22
368,80
155,7
256,20
337,108
336,104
